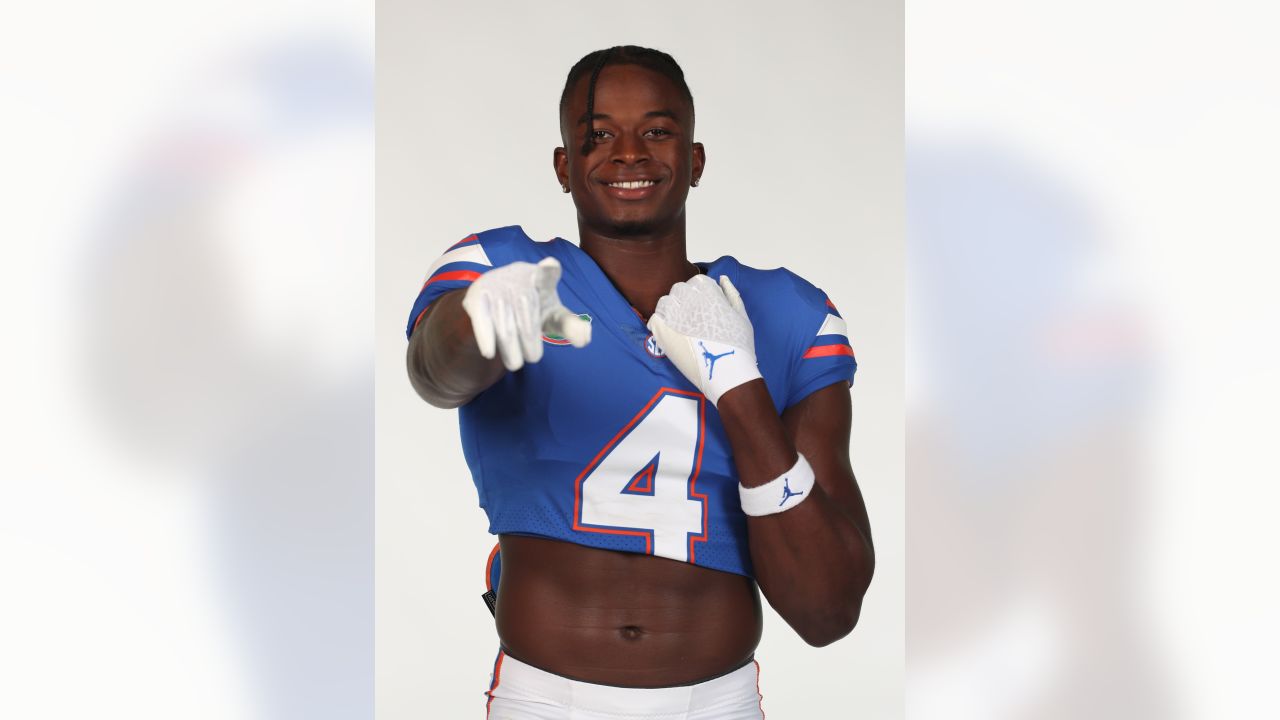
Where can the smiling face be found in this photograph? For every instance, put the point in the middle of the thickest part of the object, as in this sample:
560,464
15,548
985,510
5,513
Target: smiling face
642,157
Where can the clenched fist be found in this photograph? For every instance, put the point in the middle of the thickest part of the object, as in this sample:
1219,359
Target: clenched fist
704,329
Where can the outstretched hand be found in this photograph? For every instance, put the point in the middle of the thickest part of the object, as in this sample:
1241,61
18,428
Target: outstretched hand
513,306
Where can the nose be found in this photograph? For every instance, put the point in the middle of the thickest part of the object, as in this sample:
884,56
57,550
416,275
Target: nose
629,149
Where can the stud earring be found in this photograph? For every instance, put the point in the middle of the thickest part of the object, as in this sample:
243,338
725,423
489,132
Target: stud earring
695,182
564,188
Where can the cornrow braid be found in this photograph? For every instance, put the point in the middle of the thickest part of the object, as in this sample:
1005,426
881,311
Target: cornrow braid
591,100
594,62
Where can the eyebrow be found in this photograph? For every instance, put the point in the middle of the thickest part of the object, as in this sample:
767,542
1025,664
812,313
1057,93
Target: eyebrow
650,114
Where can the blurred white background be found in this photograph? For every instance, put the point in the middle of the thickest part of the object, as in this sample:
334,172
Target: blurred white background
1091,359
186,519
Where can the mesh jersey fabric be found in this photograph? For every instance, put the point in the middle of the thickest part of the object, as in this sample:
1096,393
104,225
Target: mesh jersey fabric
609,445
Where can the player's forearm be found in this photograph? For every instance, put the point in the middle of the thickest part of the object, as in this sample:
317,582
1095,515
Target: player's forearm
761,449
813,567
444,363
812,562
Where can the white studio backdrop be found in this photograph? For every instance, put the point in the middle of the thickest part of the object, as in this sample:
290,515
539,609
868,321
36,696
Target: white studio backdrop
186,287
1096,182
800,110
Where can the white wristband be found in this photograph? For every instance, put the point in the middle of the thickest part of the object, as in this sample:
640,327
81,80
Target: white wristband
780,494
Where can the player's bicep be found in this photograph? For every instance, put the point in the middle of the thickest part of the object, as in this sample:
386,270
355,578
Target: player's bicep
820,426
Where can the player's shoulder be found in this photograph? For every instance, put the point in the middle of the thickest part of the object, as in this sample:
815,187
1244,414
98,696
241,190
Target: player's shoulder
775,286
510,243
508,234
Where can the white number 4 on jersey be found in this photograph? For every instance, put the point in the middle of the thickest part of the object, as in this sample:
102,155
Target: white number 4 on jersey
643,483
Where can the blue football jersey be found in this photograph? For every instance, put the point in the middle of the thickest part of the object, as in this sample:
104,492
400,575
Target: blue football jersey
609,445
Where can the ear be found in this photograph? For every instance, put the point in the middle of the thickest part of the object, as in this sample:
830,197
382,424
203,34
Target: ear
699,160
560,161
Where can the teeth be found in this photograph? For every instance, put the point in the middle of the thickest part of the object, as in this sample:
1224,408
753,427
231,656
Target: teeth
633,185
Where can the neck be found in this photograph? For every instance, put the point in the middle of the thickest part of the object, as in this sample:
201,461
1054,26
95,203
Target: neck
642,267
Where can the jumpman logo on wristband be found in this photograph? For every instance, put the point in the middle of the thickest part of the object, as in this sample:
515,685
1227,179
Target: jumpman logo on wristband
787,494
711,359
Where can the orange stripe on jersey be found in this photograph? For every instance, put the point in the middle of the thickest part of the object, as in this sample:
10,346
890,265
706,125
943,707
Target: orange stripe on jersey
488,567
463,241
831,305
828,351
452,275
419,318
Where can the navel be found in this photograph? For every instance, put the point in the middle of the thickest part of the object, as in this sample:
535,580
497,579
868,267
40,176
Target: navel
631,632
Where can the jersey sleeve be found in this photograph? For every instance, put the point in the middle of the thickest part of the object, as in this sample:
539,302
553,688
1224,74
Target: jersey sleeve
822,352
458,267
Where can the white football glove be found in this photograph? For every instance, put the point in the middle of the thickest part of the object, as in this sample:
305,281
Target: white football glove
704,329
513,306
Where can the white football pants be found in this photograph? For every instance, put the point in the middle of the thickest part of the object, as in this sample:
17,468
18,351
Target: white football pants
518,691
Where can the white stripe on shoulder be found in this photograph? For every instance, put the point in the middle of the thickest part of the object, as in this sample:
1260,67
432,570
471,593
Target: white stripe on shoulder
833,326
468,253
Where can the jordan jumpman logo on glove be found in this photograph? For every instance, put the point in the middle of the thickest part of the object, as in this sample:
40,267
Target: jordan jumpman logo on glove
710,359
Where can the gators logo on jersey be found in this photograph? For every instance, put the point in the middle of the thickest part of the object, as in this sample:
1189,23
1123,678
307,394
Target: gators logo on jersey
556,339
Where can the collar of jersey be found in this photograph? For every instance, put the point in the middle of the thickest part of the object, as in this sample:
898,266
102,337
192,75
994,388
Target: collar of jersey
600,293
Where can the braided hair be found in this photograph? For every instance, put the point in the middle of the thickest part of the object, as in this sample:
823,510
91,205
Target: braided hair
594,62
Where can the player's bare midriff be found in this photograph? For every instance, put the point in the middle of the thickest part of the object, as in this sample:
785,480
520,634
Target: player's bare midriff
622,618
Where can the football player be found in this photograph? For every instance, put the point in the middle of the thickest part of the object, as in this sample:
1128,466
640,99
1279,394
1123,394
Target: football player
653,439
